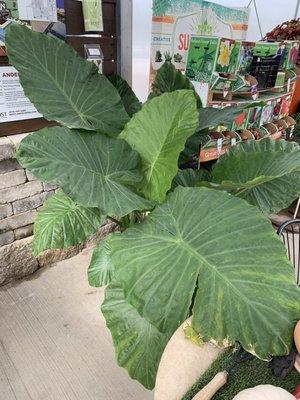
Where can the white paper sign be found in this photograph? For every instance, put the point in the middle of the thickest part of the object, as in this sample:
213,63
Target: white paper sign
37,10
14,105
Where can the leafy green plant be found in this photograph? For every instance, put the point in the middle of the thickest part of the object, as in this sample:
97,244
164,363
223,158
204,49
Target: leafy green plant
182,249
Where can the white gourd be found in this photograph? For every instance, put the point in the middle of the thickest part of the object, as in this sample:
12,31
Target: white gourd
264,392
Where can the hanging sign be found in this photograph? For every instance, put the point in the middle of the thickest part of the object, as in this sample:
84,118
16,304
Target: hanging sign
14,105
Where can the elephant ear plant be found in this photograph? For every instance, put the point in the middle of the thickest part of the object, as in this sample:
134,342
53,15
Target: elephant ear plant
191,243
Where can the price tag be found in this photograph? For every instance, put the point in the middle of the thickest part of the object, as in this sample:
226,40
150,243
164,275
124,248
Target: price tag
233,141
288,84
219,145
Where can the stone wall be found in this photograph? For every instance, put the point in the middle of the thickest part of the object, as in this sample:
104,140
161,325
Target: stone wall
21,196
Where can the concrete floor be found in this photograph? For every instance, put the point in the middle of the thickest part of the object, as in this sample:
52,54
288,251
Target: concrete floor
54,344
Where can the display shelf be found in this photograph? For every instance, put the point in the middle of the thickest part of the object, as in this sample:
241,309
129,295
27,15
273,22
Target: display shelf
212,153
246,97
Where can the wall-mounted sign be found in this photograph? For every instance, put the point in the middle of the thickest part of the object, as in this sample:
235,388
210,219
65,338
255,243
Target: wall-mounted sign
94,53
37,10
92,14
14,105
174,22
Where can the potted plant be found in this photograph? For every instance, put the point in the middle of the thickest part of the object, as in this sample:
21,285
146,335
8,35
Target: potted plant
192,243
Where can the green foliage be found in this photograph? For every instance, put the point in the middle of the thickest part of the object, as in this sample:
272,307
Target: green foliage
246,375
94,170
266,173
101,269
62,85
296,132
190,177
168,79
139,345
203,251
211,117
209,241
63,223
130,101
158,132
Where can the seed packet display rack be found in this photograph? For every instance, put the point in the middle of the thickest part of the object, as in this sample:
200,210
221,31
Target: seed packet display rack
234,85
108,40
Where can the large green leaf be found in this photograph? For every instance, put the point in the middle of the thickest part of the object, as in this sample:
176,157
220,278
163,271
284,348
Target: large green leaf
139,345
210,241
63,86
94,170
158,132
168,79
63,223
211,117
262,172
190,177
130,101
101,269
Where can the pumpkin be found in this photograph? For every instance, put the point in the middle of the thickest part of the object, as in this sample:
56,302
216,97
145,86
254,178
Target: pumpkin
264,392
297,336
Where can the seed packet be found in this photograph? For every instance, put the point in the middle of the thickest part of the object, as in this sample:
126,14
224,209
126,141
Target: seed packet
202,58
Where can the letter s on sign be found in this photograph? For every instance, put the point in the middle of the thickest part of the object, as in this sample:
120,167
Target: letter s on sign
184,40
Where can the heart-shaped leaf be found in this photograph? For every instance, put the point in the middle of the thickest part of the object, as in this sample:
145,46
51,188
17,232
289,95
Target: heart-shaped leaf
266,173
212,243
129,99
101,269
94,170
62,223
139,345
63,86
211,117
168,79
158,132
190,177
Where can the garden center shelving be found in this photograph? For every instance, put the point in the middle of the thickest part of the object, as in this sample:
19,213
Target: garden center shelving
225,65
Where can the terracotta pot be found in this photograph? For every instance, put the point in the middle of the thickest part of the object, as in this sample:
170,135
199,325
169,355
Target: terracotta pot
246,135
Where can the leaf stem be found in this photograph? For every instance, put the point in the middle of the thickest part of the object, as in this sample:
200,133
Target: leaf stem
115,221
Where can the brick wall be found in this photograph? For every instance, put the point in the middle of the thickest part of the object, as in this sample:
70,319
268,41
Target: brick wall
21,196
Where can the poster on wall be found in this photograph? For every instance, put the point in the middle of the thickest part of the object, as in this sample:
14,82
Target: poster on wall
47,16
174,21
37,10
14,105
